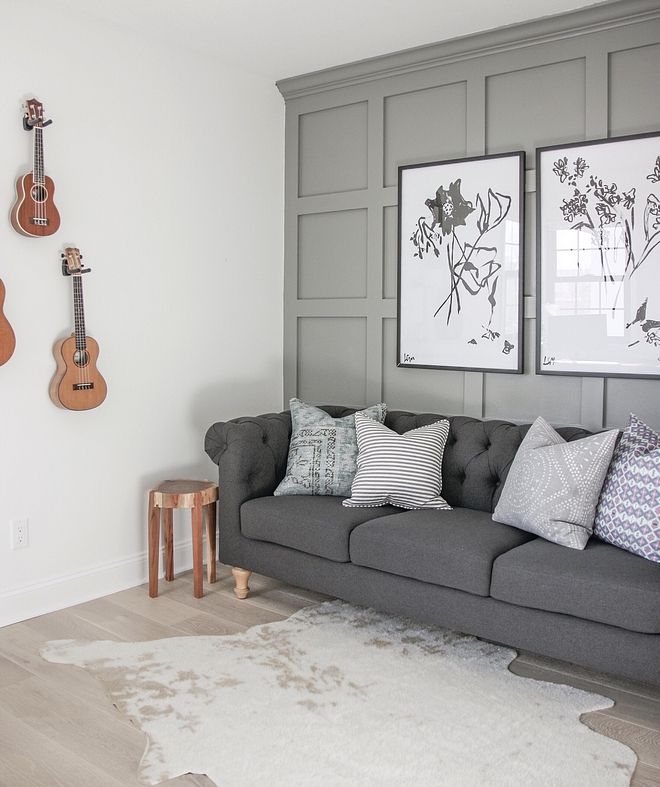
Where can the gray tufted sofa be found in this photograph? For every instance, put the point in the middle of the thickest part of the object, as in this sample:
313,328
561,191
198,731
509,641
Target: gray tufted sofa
599,607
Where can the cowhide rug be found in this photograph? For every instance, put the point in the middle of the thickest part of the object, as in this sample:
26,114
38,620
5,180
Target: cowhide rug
339,695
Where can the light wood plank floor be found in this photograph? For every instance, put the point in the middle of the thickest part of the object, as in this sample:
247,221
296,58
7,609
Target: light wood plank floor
58,729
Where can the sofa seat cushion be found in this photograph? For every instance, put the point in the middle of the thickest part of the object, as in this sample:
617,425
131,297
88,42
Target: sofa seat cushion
601,583
316,525
451,548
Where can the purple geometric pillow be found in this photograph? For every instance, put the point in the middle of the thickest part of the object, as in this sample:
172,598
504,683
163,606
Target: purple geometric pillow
628,513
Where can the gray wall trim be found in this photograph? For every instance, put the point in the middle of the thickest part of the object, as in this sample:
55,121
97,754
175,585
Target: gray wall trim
290,258
473,394
596,18
475,140
596,79
529,307
375,157
592,403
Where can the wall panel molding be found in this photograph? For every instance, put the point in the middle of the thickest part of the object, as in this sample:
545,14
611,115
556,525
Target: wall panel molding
559,79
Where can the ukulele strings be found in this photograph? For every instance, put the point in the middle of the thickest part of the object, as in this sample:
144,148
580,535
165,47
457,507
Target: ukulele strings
76,332
38,172
33,192
39,186
80,334
36,177
76,352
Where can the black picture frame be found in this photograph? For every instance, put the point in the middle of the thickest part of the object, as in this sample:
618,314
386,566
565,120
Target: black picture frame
604,191
483,194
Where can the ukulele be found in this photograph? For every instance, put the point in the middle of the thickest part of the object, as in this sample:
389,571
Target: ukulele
7,338
34,212
77,384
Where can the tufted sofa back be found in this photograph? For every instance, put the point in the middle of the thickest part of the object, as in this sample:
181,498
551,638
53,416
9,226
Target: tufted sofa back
477,456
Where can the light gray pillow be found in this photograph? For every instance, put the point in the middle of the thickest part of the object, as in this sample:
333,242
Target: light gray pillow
553,486
323,451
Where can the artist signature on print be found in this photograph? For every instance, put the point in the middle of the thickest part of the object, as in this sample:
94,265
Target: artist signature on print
548,360
408,358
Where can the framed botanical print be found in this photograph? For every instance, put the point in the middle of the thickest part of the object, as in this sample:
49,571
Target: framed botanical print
598,257
460,264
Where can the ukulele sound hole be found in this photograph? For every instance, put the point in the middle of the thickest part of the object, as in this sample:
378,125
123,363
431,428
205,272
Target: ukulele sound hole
38,193
81,357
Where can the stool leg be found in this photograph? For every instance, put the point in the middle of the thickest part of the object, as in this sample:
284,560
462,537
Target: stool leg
198,577
211,527
154,546
169,544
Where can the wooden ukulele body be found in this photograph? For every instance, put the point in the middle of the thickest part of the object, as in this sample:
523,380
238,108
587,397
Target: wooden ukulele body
74,386
35,218
7,338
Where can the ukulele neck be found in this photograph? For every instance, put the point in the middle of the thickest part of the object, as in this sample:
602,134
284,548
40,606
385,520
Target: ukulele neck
79,312
38,168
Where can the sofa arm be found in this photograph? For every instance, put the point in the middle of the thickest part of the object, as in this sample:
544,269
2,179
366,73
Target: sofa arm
251,455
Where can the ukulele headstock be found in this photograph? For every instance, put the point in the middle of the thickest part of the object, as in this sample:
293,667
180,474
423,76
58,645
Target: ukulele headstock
34,114
72,262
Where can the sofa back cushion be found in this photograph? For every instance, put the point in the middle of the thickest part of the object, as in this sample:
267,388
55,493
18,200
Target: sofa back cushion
478,454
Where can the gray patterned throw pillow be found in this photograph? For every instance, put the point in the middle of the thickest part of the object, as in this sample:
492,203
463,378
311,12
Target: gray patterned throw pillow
323,451
553,486
628,514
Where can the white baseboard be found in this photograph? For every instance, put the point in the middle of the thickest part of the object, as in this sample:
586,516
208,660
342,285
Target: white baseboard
65,590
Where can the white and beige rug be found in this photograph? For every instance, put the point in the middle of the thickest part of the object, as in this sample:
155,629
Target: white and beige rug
339,695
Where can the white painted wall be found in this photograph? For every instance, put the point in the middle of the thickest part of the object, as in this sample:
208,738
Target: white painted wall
169,175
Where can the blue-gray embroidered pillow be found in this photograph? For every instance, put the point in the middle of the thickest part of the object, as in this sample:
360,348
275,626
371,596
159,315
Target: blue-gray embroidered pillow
628,513
323,451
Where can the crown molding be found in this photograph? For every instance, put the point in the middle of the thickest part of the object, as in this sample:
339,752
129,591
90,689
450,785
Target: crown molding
596,18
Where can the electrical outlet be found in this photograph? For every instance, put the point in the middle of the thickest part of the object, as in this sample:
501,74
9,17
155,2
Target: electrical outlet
19,533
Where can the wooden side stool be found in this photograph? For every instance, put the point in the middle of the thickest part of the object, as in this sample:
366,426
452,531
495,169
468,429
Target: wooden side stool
199,496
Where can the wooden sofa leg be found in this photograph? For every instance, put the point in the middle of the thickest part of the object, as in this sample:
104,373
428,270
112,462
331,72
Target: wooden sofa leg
241,577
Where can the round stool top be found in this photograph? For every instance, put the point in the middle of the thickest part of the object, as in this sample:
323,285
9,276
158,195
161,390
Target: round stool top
182,493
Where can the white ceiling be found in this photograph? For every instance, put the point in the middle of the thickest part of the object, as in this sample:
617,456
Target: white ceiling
282,38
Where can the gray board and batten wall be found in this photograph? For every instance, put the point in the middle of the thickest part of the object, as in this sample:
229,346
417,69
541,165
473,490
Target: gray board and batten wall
583,75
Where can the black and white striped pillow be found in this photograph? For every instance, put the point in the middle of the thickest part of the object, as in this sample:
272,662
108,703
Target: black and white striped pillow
404,470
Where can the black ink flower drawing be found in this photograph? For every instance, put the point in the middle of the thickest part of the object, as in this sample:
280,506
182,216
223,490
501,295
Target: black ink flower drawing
650,328
575,206
654,177
449,208
607,212
595,206
567,175
474,266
